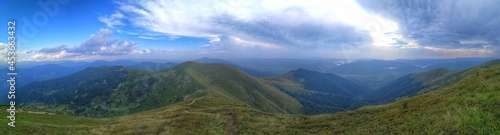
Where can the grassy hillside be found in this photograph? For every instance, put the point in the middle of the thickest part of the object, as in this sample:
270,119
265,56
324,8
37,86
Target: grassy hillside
115,91
467,106
30,121
414,84
239,87
320,92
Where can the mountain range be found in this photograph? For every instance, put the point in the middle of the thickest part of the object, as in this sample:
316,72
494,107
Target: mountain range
413,84
317,92
116,90
320,92
196,98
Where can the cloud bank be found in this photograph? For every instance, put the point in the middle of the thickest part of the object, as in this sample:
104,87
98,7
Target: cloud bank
275,26
98,45
454,27
386,29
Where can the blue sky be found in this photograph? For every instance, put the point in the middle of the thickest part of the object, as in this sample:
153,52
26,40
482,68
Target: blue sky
121,29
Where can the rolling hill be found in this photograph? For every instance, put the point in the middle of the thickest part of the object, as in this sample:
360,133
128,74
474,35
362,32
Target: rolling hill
374,73
320,92
284,65
412,84
41,72
378,73
37,73
113,91
468,105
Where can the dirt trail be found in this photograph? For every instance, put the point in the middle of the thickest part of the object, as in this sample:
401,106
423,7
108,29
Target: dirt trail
230,123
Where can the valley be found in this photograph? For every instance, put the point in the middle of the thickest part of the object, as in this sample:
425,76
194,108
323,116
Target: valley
196,98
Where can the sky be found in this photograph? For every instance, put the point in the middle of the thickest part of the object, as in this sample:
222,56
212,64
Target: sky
49,30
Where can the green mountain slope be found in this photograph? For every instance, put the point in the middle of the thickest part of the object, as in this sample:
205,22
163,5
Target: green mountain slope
320,92
467,106
413,84
114,91
239,87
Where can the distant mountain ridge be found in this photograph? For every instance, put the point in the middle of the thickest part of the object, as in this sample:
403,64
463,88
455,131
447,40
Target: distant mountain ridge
113,91
153,66
320,92
317,92
467,105
409,85
247,70
378,73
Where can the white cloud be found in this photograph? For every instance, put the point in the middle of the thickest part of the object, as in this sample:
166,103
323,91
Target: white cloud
150,38
99,45
3,51
112,20
454,24
266,24
277,28
461,52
